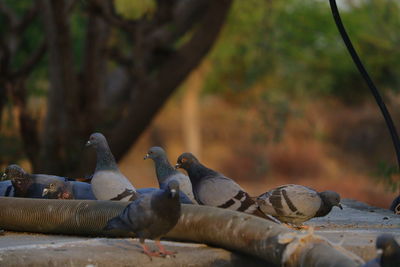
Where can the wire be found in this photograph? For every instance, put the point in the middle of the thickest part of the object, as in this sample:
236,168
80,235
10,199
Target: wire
367,78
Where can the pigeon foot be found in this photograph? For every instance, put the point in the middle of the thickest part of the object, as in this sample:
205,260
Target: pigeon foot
297,227
163,251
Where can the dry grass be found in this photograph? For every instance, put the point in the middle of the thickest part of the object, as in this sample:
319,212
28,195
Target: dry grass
327,146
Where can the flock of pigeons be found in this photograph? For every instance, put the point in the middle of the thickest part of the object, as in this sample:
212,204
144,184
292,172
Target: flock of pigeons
153,212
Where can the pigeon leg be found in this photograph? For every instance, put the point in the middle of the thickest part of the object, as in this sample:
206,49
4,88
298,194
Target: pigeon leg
147,251
297,227
162,250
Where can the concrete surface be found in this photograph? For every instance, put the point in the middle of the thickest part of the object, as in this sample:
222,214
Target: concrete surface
356,226
28,249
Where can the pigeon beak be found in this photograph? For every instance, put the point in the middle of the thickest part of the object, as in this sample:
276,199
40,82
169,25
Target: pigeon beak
45,192
88,143
146,156
178,165
173,192
340,206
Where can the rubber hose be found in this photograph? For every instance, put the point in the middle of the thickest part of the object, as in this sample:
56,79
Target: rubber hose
223,228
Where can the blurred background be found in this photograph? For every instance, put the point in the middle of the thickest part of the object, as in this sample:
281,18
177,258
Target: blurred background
262,91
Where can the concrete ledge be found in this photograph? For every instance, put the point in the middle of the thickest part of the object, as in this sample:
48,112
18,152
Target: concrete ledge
25,249
356,226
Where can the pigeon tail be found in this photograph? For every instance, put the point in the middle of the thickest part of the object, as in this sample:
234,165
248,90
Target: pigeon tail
261,214
115,223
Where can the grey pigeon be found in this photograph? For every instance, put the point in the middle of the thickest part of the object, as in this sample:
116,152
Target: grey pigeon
389,251
296,204
212,188
108,183
165,172
29,185
68,190
6,189
151,216
182,197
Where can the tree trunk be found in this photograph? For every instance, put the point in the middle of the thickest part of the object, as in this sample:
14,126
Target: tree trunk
60,133
190,112
155,90
77,102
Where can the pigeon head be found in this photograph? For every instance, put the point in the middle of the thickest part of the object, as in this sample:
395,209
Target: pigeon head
14,172
387,244
96,139
173,188
331,198
57,190
155,152
50,189
186,160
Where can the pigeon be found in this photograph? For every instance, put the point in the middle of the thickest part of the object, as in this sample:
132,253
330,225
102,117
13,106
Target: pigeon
212,188
29,185
6,189
389,252
166,172
395,206
108,183
182,197
150,217
68,190
295,204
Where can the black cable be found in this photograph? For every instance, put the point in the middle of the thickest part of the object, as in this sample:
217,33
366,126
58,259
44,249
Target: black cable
367,78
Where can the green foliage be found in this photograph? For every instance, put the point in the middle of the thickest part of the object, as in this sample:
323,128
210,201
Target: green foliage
389,175
297,45
135,9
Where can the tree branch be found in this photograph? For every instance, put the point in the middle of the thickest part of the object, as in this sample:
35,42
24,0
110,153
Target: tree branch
155,90
9,14
30,63
4,59
28,17
116,54
185,15
105,9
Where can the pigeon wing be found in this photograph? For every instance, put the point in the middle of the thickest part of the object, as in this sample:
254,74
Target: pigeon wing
108,185
220,191
290,201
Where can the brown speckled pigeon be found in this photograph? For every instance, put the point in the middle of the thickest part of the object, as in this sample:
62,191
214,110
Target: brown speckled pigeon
389,252
165,172
151,216
29,185
108,183
68,190
212,188
296,204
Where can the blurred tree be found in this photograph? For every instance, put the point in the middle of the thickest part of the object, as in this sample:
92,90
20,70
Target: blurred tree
109,70
293,47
